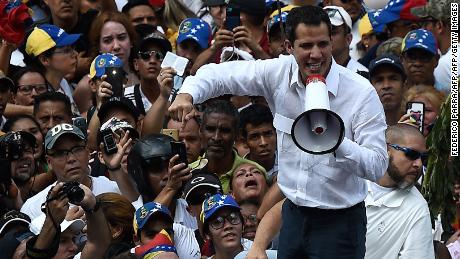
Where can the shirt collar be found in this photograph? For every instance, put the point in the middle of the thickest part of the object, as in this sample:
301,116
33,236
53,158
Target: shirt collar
393,199
332,78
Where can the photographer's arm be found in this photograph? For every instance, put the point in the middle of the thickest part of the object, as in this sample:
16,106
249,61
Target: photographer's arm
104,92
99,237
46,244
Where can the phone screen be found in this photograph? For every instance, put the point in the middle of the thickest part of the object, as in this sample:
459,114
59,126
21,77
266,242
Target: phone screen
233,18
115,77
179,148
417,112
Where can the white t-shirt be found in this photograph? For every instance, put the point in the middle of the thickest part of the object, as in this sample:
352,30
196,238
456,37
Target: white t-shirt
398,225
355,66
442,73
129,93
182,216
32,207
185,242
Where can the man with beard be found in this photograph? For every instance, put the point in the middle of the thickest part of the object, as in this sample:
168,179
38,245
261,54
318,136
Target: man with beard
398,219
387,76
219,131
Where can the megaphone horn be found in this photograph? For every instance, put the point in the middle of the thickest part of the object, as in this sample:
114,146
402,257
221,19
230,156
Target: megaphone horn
318,130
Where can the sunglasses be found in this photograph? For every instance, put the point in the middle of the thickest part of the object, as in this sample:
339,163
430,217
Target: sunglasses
233,218
148,54
411,154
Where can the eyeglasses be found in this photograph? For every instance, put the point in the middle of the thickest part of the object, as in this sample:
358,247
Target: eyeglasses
233,218
148,54
27,89
68,50
62,154
251,219
411,154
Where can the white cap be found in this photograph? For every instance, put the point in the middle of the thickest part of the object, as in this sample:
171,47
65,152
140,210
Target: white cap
339,16
37,224
233,53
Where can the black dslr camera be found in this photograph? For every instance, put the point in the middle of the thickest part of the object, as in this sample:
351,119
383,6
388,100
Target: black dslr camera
73,191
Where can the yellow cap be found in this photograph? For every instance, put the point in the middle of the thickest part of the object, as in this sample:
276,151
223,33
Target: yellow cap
365,26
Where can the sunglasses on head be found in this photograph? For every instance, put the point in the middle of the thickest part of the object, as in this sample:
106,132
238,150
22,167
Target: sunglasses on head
411,154
146,55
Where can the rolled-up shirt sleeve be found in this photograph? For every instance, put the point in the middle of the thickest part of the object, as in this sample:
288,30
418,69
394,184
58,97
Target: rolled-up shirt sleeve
235,77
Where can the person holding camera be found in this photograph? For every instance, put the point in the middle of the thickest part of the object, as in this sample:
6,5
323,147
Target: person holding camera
159,176
68,157
57,233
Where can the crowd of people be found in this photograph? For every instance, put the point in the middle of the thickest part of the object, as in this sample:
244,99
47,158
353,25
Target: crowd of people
164,128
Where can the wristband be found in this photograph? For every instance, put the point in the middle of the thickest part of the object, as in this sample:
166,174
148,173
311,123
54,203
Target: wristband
35,253
94,209
111,169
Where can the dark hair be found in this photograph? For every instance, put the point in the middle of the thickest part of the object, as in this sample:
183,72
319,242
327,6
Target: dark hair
11,121
255,115
133,3
308,15
223,107
53,97
35,63
21,72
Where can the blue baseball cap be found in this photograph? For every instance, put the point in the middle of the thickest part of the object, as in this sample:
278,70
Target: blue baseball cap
275,17
196,29
143,214
393,11
421,39
47,36
101,62
216,202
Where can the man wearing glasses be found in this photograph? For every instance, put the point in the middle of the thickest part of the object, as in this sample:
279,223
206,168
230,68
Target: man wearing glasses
152,50
398,219
68,157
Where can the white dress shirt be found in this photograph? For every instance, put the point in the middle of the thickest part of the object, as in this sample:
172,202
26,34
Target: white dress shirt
398,225
323,181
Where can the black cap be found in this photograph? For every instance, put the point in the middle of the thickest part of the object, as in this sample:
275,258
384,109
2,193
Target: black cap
201,177
251,7
133,3
13,216
118,102
387,59
156,38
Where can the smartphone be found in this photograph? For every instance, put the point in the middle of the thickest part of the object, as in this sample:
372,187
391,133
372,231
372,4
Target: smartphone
179,148
110,146
417,112
233,18
80,123
115,77
174,133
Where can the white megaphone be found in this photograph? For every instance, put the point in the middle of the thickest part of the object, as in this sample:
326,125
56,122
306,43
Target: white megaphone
318,130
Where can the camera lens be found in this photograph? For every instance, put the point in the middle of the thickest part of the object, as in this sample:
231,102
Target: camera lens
73,191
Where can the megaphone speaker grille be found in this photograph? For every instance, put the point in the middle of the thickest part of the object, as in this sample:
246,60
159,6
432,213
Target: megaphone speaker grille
318,131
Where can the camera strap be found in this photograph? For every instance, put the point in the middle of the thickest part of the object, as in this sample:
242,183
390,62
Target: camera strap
138,99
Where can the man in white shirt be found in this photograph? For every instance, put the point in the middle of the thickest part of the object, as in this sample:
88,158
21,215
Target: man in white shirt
341,39
398,219
68,157
324,193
